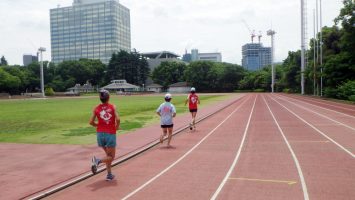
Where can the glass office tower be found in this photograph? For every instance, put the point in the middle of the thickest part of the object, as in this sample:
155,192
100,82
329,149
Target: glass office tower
255,56
91,29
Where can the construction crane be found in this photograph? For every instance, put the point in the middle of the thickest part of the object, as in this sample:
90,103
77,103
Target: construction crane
259,36
252,33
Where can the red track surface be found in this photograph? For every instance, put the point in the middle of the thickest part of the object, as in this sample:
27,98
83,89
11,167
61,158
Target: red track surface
266,146
26,169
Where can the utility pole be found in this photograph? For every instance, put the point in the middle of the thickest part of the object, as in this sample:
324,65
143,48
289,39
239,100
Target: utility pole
41,50
302,45
272,33
314,53
321,49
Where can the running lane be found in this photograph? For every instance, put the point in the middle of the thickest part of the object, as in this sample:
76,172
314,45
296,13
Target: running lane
340,107
328,170
191,170
266,168
338,130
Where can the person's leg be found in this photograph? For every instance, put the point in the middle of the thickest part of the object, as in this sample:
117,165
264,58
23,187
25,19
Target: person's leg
110,155
170,135
194,118
165,130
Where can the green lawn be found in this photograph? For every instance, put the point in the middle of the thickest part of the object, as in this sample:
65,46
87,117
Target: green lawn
65,121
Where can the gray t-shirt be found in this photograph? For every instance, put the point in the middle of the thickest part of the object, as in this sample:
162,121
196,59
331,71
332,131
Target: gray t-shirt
166,111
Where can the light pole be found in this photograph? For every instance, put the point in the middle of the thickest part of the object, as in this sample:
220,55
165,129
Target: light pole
41,50
302,45
272,33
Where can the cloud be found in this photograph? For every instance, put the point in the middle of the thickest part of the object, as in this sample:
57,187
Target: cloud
171,25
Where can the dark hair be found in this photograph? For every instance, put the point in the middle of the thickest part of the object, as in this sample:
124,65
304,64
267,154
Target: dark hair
192,92
167,100
104,96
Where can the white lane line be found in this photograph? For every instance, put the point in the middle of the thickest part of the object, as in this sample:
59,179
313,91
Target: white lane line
319,131
333,120
321,101
182,157
219,189
319,107
299,170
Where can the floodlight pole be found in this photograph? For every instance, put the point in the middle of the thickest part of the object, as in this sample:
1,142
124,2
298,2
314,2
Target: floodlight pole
321,48
302,46
41,50
272,33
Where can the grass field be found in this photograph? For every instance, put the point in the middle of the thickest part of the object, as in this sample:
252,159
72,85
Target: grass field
65,121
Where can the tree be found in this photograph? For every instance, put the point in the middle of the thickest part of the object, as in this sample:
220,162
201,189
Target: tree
168,73
8,82
3,61
203,75
129,66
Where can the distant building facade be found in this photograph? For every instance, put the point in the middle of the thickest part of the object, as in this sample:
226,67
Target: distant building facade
91,29
28,59
155,58
255,56
195,55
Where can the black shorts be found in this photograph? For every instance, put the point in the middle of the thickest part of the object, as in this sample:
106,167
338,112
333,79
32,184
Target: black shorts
167,126
193,110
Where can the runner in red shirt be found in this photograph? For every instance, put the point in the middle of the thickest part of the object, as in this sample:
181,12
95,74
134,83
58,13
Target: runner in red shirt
193,100
108,123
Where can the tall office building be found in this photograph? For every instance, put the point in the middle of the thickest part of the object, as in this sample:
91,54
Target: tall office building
28,59
255,56
89,29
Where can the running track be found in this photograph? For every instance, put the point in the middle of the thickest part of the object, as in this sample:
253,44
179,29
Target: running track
265,146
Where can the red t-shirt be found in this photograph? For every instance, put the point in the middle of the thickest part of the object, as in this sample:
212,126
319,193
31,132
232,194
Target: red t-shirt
105,114
193,99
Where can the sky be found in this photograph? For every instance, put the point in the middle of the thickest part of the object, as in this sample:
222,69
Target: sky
174,25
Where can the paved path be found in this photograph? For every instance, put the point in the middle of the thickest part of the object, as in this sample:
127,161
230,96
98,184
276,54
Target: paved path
27,168
265,146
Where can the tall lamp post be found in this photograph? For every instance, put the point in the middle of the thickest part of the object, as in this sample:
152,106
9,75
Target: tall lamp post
41,50
302,45
272,33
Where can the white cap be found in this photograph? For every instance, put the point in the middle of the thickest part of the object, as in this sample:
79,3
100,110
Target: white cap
167,96
193,89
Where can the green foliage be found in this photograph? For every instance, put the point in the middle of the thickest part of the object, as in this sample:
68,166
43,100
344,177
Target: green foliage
3,61
49,91
168,73
129,66
259,90
8,82
346,90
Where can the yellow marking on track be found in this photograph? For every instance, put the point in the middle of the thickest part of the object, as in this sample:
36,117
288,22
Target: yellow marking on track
264,180
310,141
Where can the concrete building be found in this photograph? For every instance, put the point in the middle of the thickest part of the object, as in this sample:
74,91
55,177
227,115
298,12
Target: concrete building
28,59
195,56
155,58
179,87
91,29
121,86
255,56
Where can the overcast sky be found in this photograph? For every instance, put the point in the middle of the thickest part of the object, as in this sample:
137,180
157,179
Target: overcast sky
172,25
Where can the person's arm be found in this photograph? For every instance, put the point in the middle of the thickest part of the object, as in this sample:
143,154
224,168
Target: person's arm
187,99
174,111
158,111
198,100
92,119
118,120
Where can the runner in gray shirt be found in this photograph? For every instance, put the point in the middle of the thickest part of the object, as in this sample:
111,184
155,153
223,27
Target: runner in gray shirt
166,111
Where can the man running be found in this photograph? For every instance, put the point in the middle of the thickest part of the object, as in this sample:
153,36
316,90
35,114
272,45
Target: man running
108,123
193,100
166,111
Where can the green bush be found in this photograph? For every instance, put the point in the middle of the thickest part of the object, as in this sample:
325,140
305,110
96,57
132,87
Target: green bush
259,90
352,98
330,92
346,90
49,91
286,90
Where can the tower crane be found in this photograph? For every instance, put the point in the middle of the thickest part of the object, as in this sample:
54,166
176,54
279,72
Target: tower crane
252,33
